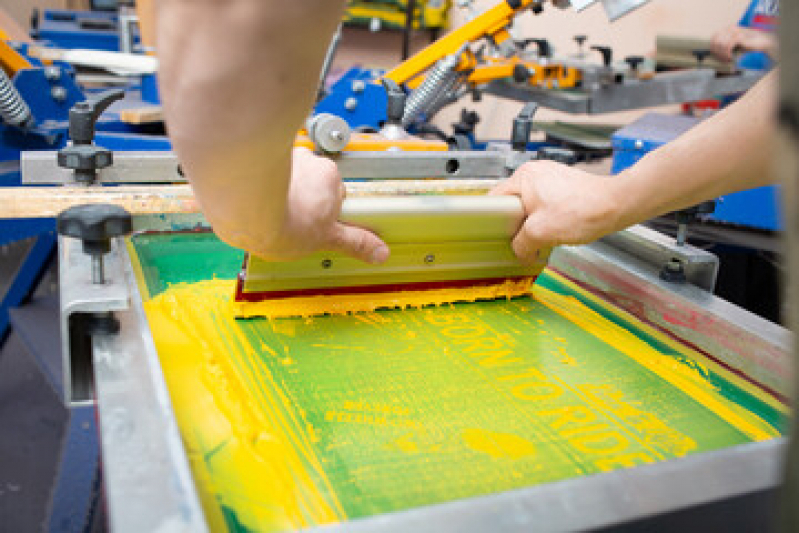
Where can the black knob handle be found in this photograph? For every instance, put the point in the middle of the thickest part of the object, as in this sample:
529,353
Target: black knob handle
689,214
83,115
580,40
700,55
634,61
521,74
468,121
396,101
95,225
522,126
607,54
544,48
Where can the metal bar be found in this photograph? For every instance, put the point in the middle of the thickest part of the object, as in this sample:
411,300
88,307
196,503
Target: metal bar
149,486
700,267
162,167
663,89
598,501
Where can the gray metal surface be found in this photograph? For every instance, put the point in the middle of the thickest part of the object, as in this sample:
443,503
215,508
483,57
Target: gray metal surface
79,296
148,483
665,88
162,167
616,9
596,501
149,486
701,268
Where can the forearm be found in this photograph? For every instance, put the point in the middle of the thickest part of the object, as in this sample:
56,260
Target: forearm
237,79
728,152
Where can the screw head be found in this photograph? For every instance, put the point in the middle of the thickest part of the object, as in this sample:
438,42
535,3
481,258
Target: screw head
58,93
350,104
52,73
358,86
430,259
327,263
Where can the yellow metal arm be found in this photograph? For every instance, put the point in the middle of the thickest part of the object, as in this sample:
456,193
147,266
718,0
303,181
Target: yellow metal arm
491,23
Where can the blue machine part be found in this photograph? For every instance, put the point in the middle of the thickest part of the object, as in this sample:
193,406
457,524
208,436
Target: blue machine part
149,89
93,30
755,208
761,15
357,99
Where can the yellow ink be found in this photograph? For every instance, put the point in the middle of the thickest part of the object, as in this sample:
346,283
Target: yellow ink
498,445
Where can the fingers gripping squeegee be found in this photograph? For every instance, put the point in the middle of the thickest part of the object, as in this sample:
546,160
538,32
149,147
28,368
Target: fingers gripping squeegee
443,249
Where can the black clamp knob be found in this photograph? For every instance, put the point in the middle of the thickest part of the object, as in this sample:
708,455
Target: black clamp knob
396,101
522,126
544,48
521,74
607,54
537,8
83,156
95,225
700,55
468,121
634,62
689,214
580,40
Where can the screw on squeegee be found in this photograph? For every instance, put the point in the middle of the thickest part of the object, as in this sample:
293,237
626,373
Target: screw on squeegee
700,56
327,263
83,156
95,225
430,259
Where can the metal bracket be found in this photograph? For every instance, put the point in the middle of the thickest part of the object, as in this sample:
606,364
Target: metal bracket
80,301
654,248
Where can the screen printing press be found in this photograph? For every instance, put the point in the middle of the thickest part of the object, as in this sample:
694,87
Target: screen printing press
607,396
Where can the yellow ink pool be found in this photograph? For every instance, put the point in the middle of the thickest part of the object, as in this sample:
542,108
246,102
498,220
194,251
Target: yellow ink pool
296,422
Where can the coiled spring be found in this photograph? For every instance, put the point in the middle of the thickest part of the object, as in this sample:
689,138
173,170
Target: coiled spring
13,109
441,79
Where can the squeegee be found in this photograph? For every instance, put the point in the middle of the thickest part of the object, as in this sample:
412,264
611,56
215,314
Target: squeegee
444,249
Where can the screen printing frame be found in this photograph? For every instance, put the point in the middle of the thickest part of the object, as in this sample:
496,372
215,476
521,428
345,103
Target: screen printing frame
149,485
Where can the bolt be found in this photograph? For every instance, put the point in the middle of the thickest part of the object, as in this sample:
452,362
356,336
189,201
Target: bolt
429,259
639,144
52,73
350,104
98,274
358,86
336,135
58,93
327,263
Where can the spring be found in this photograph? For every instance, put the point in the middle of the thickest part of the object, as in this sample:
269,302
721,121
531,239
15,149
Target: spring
13,109
441,78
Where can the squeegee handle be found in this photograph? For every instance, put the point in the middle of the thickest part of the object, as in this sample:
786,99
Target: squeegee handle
418,219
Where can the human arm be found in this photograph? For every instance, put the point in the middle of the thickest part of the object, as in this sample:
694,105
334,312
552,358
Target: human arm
237,78
732,39
728,152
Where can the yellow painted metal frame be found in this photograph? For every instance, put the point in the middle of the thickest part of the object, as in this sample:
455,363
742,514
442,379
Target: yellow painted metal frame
492,23
10,60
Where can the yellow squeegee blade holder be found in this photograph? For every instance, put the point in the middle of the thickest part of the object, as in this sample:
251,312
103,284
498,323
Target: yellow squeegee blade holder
443,249
412,277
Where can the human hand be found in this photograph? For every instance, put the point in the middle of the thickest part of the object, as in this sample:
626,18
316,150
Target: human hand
311,218
727,42
564,205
